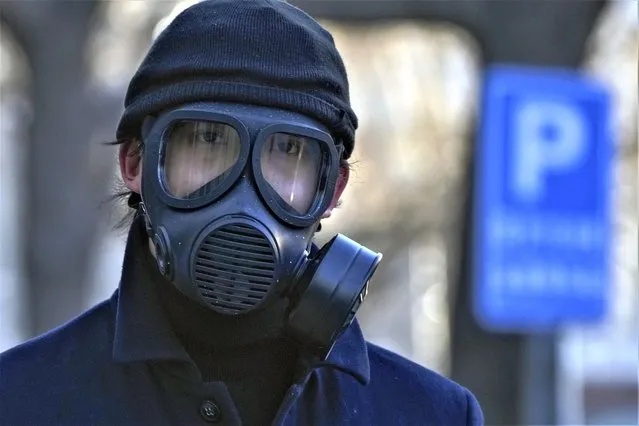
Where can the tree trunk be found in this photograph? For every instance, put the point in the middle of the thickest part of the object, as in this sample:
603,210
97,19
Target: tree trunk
63,183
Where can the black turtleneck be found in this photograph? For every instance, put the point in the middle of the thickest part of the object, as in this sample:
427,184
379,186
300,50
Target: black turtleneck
250,354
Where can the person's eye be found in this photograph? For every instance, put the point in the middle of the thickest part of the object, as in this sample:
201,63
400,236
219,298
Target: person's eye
209,137
289,146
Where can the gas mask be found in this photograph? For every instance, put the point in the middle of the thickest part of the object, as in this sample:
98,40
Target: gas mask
232,196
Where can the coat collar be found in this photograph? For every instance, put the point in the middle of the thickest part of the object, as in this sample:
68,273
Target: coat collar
143,333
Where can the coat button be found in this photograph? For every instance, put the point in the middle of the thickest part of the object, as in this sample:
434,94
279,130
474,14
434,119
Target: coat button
210,411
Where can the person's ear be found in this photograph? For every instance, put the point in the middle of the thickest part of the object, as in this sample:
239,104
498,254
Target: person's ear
131,165
342,180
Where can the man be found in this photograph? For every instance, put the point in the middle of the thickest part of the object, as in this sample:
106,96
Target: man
234,143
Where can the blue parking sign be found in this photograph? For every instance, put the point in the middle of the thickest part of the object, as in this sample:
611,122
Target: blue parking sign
543,183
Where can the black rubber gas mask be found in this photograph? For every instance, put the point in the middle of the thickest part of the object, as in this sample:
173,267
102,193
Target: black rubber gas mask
232,197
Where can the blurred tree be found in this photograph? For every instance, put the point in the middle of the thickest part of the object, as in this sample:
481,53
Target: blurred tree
63,181
414,87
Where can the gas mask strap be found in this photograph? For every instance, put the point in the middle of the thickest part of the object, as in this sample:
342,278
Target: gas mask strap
145,216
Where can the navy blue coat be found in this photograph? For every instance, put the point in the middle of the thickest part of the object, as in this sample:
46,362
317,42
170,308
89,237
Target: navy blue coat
120,364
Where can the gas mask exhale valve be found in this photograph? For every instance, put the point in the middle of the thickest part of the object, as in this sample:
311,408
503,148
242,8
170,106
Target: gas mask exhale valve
232,196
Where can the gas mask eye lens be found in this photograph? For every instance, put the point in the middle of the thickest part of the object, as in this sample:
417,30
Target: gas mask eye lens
292,166
197,156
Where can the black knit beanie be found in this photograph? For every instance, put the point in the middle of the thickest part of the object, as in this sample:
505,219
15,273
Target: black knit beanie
262,52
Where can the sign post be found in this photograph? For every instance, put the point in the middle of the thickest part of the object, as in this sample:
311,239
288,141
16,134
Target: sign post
542,214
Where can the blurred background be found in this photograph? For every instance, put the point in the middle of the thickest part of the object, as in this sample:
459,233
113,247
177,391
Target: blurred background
416,73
